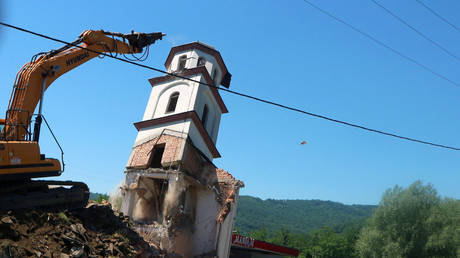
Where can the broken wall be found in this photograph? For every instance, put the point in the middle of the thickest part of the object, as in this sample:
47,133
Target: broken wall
142,154
226,229
194,215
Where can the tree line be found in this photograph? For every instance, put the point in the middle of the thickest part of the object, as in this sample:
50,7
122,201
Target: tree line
409,222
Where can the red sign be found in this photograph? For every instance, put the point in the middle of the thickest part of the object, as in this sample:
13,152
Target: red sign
251,243
243,241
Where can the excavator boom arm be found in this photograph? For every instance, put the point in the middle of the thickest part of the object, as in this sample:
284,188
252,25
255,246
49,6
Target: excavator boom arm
36,76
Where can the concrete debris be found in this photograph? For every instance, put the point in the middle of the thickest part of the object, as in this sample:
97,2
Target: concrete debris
159,235
171,205
94,231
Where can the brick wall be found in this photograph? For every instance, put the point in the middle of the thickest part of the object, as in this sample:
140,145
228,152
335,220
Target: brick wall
141,155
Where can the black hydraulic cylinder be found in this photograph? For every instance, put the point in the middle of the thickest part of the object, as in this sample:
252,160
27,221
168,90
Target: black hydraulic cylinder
37,125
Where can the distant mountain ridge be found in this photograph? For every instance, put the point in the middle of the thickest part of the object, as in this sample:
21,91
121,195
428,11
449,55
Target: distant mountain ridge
297,216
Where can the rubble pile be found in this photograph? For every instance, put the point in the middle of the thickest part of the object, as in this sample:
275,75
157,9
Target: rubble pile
94,231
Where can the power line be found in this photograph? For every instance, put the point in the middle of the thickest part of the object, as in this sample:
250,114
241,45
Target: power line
238,93
438,15
417,31
426,68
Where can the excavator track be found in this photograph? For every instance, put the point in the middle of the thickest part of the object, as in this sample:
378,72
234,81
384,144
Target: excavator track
42,194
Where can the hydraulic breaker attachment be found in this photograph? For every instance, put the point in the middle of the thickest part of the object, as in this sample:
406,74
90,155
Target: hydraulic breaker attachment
137,39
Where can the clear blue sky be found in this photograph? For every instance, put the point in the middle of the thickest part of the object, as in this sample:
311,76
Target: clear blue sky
284,51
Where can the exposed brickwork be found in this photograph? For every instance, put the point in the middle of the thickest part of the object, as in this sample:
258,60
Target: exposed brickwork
194,164
223,175
142,154
191,162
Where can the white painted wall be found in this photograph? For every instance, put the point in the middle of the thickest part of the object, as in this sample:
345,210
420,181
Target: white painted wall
209,234
192,96
161,93
148,133
175,61
204,237
164,96
205,97
198,141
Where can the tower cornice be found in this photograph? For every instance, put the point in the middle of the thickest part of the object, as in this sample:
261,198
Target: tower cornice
180,117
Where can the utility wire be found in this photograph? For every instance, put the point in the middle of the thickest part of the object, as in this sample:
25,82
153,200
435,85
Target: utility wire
240,94
417,31
426,68
438,15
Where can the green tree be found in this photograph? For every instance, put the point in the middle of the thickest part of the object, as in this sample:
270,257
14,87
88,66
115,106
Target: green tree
282,237
260,234
445,225
412,222
325,242
101,197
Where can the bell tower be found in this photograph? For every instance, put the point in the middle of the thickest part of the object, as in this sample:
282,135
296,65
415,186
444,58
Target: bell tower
170,178
182,108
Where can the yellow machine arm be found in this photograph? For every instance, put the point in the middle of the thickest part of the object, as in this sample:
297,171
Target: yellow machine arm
20,156
35,77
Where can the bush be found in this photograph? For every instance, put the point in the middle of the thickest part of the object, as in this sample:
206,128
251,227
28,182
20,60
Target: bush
412,222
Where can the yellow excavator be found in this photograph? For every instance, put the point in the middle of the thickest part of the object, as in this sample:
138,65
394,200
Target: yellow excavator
20,156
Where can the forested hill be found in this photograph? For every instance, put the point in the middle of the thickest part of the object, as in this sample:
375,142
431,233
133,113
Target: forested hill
297,216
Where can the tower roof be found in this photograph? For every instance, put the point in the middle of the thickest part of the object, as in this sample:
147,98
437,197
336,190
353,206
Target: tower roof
208,50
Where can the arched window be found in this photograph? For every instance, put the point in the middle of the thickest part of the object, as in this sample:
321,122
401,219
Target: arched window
182,61
201,61
172,102
204,117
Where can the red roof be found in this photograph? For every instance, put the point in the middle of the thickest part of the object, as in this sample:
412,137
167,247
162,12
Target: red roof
222,174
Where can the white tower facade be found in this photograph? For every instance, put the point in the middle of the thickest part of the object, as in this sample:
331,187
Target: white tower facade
184,108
